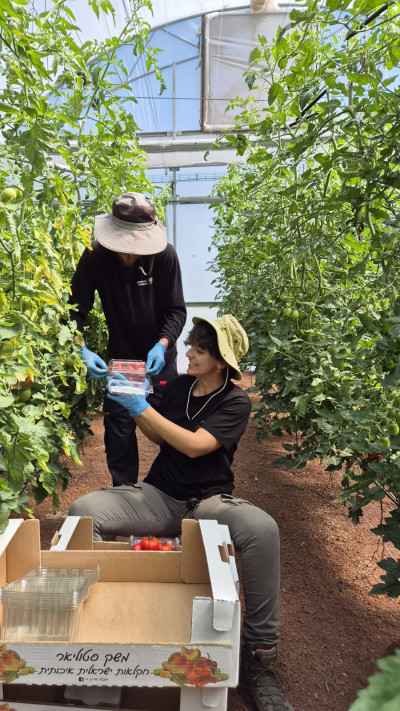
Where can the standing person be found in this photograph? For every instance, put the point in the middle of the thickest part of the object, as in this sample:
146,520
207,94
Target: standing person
137,276
201,418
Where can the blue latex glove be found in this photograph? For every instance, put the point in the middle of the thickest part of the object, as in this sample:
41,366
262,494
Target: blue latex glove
135,404
95,366
155,359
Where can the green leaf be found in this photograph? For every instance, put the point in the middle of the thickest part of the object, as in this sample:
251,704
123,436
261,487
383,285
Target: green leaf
17,457
362,79
4,516
336,4
290,386
8,332
255,55
275,91
301,403
383,690
6,401
250,79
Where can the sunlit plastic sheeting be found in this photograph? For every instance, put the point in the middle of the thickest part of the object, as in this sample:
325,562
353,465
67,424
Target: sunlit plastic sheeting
180,159
165,11
91,28
204,311
179,60
193,244
229,39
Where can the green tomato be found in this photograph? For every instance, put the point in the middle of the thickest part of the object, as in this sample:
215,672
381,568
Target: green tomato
389,364
288,311
8,194
384,442
25,395
295,314
18,192
394,429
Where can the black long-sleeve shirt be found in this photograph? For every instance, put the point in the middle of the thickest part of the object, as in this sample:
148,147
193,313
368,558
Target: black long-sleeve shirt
141,303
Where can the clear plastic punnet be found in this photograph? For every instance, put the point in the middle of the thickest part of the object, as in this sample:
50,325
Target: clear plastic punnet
136,382
92,575
40,608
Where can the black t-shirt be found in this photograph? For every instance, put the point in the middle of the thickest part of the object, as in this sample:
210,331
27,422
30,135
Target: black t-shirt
141,303
225,416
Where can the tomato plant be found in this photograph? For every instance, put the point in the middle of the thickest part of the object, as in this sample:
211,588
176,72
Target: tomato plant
307,234
58,97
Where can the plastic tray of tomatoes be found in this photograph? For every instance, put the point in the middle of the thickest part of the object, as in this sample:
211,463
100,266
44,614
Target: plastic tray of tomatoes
135,380
154,543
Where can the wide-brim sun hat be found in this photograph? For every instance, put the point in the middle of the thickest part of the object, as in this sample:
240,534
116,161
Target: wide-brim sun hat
132,226
232,339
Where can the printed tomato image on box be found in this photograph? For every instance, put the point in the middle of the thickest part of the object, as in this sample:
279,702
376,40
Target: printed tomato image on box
189,667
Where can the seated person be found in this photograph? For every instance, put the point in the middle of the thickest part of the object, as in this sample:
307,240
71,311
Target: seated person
198,426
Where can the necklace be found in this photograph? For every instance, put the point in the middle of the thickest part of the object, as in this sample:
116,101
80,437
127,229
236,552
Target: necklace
150,268
207,401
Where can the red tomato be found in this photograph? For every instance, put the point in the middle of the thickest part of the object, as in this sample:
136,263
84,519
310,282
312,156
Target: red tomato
164,546
136,547
373,457
137,366
150,543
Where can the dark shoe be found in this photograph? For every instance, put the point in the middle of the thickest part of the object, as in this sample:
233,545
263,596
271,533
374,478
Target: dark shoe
261,681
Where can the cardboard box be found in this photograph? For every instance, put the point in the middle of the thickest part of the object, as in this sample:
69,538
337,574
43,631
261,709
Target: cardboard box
154,619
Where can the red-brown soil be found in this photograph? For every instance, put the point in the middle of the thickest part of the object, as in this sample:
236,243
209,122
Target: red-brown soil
332,629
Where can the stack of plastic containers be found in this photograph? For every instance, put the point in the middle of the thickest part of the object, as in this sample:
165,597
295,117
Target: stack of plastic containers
45,605
92,575
132,375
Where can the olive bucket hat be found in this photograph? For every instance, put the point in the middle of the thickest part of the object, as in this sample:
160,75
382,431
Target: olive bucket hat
132,226
233,343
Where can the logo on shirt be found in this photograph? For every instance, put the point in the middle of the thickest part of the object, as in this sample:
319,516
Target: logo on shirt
145,282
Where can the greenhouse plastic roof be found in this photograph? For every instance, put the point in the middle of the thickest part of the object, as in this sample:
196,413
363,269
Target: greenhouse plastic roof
204,48
164,12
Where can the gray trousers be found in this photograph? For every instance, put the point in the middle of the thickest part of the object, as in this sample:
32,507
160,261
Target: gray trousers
141,509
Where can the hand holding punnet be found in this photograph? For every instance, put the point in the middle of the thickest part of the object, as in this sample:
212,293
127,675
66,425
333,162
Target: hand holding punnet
95,366
155,359
135,404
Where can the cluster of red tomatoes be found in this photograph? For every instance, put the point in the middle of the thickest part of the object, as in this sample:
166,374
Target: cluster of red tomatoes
151,543
118,365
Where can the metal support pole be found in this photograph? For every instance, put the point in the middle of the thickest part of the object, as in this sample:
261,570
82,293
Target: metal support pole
174,100
174,195
174,203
